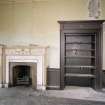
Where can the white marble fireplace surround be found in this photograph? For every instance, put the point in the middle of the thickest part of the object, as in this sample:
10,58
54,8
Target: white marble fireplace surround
33,54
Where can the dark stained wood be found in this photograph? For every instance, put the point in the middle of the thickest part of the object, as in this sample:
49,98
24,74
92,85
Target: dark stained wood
83,28
103,78
53,78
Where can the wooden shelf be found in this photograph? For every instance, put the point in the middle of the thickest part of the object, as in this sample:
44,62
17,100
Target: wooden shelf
80,43
80,50
79,75
78,66
79,56
78,35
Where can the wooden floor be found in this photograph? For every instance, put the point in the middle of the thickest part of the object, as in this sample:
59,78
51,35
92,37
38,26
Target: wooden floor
28,96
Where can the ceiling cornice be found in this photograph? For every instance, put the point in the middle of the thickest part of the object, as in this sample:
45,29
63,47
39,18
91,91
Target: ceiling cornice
23,1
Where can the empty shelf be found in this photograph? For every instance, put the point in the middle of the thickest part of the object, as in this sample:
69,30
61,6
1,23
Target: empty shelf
78,35
79,75
80,57
80,43
80,49
77,66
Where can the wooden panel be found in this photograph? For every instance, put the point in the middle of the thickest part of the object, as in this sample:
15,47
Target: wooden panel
69,25
53,78
103,78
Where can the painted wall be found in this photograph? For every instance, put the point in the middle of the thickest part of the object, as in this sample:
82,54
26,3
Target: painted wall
26,22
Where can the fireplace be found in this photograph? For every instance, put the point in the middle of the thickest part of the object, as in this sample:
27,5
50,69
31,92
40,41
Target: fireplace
23,73
24,65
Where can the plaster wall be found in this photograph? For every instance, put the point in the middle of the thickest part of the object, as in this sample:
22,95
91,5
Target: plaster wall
35,22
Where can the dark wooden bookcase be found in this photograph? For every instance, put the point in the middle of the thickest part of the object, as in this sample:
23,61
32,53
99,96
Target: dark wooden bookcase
81,53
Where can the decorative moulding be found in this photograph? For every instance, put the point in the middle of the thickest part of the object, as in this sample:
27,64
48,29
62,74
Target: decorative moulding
94,8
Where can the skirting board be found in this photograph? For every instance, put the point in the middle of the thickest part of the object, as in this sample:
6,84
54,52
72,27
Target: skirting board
53,87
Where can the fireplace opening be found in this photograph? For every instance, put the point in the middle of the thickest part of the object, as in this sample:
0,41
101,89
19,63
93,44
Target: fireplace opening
22,75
